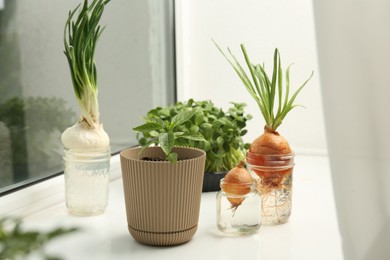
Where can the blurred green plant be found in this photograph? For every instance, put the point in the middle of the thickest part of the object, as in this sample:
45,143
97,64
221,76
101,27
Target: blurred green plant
223,131
15,243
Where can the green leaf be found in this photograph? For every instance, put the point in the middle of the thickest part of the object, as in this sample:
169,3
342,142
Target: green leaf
251,69
181,118
146,145
153,133
240,72
244,132
220,140
164,112
194,129
273,82
199,119
206,126
172,157
193,137
142,141
158,121
280,85
177,134
60,231
166,141
147,127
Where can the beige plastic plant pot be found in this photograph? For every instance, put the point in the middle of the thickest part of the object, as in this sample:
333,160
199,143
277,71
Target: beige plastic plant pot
162,198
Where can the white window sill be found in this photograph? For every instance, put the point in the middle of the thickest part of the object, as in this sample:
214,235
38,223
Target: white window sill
311,233
43,195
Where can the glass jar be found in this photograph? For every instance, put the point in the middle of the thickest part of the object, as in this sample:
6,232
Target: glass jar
239,214
274,183
86,181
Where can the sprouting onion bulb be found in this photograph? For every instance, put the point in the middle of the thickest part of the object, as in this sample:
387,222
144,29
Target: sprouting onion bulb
272,97
81,34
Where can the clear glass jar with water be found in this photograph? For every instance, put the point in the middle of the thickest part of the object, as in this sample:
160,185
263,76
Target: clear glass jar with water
86,181
274,176
239,214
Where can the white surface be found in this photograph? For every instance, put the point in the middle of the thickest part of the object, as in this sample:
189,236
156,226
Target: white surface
203,73
311,233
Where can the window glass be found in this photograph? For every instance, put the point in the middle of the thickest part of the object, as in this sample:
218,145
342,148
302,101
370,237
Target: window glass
135,64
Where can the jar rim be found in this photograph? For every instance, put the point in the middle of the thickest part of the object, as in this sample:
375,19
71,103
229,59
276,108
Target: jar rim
102,150
241,183
292,154
86,155
251,185
274,161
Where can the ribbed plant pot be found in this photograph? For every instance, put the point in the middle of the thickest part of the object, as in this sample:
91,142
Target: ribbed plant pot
162,199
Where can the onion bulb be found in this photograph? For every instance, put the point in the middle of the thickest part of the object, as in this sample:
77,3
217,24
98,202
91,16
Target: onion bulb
80,136
236,184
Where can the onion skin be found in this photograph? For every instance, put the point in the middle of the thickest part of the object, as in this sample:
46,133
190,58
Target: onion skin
269,143
237,182
81,136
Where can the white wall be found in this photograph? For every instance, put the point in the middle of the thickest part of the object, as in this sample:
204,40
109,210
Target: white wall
203,73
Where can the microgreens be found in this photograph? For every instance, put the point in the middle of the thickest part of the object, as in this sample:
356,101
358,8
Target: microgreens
222,131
